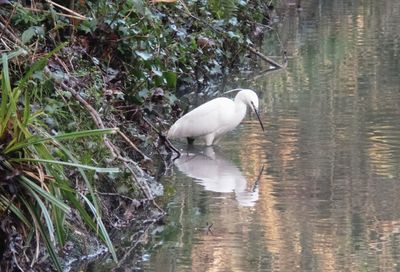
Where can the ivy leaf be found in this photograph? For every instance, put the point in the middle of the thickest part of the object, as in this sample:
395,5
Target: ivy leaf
232,34
171,98
32,32
171,78
139,6
215,70
233,21
143,55
156,71
88,26
144,93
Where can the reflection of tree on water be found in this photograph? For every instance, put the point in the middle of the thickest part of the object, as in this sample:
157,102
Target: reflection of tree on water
217,174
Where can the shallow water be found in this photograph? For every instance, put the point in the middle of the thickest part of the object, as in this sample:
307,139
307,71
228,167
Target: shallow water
320,189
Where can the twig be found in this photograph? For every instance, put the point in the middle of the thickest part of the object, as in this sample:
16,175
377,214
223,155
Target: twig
257,180
165,139
116,194
264,72
143,186
128,253
12,36
133,146
57,13
114,151
76,14
208,228
15,259
7,22
145,189
95,116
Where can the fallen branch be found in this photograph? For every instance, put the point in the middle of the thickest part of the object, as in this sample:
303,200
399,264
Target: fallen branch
95,116
165,139
133,145
263,73
269,60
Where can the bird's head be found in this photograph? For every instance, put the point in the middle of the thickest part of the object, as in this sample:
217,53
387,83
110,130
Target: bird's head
250,98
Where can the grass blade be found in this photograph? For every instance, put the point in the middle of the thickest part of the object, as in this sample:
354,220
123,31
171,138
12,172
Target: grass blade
15,210
39,65
39,227
103,231
14,54
46,215
46,195
88,167
5,91
66,136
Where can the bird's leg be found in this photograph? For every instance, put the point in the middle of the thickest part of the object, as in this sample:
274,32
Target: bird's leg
190,140
209,139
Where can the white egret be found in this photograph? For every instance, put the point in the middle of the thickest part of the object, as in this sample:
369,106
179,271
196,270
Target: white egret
211,120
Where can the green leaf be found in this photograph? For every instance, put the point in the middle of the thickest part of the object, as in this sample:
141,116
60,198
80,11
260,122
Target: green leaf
171,79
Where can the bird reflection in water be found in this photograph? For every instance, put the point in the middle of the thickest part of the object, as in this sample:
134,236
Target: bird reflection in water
217,174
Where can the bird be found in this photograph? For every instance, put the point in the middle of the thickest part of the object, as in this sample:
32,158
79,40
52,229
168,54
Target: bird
211,120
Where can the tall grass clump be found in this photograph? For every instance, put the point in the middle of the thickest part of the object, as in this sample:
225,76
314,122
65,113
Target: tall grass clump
36,195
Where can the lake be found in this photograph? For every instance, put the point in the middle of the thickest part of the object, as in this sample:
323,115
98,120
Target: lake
319,190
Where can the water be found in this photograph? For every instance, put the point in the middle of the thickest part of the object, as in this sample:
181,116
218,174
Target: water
328,197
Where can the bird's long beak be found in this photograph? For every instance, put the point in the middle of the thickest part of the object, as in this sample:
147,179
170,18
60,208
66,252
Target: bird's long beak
258,116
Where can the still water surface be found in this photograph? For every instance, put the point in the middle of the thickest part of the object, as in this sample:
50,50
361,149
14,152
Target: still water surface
328,196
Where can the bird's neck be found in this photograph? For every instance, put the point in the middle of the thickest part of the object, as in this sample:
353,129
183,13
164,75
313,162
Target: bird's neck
240,111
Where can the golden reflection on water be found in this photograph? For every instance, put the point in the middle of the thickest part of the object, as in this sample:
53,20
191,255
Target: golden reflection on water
383,139
328,198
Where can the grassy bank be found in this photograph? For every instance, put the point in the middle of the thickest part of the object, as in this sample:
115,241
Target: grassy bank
86,89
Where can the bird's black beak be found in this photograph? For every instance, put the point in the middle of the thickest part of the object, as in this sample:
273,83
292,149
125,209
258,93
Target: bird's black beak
258,116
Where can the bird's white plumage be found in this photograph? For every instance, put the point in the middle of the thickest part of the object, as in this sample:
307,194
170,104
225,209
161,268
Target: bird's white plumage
211,120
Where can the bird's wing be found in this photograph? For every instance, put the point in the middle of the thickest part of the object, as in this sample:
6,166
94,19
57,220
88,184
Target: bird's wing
204,119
